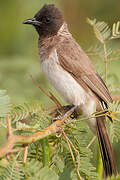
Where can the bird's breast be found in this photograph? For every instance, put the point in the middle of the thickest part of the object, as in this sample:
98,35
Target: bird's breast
62,81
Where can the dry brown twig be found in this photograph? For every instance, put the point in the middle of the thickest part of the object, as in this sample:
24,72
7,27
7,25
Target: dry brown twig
51,96
9,126
25,154
70,146
91,142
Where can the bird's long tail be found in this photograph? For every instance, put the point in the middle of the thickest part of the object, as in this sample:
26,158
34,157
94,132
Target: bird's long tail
107,155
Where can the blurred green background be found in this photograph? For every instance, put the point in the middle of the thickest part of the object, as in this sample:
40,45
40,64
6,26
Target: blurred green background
18,43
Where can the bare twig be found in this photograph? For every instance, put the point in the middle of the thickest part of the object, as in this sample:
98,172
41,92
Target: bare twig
25,154
91,142
105,61
66,138
69,143
51,96
9,126
54,99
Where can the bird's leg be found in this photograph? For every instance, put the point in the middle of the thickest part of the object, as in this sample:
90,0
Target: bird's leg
59,112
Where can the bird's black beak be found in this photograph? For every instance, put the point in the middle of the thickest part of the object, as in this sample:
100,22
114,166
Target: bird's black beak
32,21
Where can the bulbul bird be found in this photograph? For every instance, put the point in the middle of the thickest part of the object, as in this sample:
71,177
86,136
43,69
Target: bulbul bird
70,71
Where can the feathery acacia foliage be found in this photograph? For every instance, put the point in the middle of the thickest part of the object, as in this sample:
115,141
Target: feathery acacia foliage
116,30
60,156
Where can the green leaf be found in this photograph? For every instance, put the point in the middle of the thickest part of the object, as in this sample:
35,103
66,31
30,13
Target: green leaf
113,178
46,173
12,171
115,126
34,170
116,30
59,163
101,30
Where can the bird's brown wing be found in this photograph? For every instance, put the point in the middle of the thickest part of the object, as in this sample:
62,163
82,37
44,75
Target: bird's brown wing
74,60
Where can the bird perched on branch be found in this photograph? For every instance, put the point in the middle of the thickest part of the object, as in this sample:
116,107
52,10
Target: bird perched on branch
72,74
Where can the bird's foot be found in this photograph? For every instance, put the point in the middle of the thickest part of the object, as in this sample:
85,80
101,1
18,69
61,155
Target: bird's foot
59,113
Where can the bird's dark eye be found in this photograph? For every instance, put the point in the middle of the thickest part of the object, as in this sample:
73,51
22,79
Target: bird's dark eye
47,19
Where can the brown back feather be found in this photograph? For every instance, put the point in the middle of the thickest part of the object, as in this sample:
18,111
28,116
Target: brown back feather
74,60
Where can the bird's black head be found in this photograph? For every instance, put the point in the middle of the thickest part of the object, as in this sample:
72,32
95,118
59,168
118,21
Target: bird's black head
47,20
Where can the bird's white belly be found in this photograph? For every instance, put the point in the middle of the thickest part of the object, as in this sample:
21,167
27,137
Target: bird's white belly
62,81
68,88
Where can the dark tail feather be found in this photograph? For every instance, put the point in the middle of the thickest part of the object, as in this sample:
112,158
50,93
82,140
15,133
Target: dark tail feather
107,155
